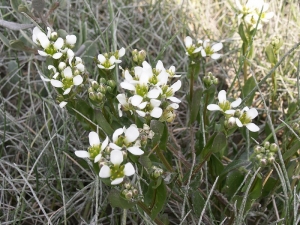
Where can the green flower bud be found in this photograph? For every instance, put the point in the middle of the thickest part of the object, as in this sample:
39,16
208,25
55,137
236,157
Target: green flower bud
263,162
102,81
109,89
99,96
127,185
92,96
102,88
90,89
267,145
128,195
273,147
142,55
257,149
271,160
111,83
135,192
95,84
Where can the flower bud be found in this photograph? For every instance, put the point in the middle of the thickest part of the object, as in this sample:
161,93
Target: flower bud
257,149
271,160
95,84
53,36
135,192
102,81
109,89
62,66
231,122
273,147
267,145
102,88
99,96
92,96
142,55
111,83
127,185
263,162
128,195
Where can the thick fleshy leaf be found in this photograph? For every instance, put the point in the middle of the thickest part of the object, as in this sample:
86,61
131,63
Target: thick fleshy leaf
77,80
94,139
101,58
252,127
116,157
236,103
136,100
135,150
129,169
104,143
63,104
104,172
117,133
131,134
222,96
213,107
67,91
114,146
82,154
117,181
56,83
156,112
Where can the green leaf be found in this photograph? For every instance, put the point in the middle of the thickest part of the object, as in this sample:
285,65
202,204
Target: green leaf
14,4
158,128
15,26
4,40
248,87
233,181
38,5
291,151
17,44
164,138
215,166
219,143
145,161
242,33
270,54
256,189
207,148
235,164
160,200
198,203
116,200
195,106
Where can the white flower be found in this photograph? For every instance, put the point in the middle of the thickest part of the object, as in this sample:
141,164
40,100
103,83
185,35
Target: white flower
246,119
169,93
224,105
63,104
210,50
124,138
124,103
190,47
116,171
71,39
154,110
95,150
119,54
248,7
105,63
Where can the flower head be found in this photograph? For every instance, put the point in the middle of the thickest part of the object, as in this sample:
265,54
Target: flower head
190,47
224,105
210,50
95,150
245,119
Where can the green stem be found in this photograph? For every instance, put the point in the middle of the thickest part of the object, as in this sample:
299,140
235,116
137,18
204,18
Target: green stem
191,85
146,210
124,217
163,159
274,82
245,67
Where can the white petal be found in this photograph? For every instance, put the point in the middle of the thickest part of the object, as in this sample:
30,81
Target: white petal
215,56
68,72
121,52
131,134
70,53
104,172
213,107
117,133
222,96
50,67
112,60
114,146
154,93
252,127
238,122
156,112
176,86
230,112
97,158
42,53
55,75
57,55
142,105
136,100
236,103
67,91
61,66
155,102
127,86
160,66
122,99
71,39
94,138
80,67
77,80
162,78
56,83
129,169
127,76
174,105
104,144
116,157
141,113
59,43
63,104
117,181
44,78
217,47
188,41
135,150
203,53
174,99
101,58
44,41
252,113
82,154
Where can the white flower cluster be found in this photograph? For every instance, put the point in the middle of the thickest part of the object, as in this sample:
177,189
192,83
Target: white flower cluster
69,69
107,61
235,116
254,13
112,154
150,93
204,47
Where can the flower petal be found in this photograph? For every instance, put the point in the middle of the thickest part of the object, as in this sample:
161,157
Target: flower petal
42,53
117,181
252,127
77,80
135,150
104,172
236,103
67,91
104,143
59,43
71,39
127,86
188,41
215,56
121,52
176,86
94,139
56,83
129,169
238,122
82,154
117,133
97,158
101,58
116,157
63,104
213,107
136,100
131,134
68,72
114,146
141,113
174,99
154,93
156,112
252,113
222,96
217,47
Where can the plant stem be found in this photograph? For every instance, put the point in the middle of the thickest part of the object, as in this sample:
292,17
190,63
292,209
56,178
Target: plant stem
245,68
124,217
163,159
146,210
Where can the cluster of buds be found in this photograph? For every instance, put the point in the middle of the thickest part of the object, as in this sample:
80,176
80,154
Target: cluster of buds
265,155
68,69
107,61
202,48
209,80
156,172
235,117
145,134
150,94
112,155
130,192
254,13
97,91
138,56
